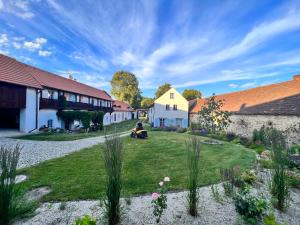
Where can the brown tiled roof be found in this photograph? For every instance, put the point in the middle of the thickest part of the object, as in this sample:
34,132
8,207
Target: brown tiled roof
13,71
276,99
120,106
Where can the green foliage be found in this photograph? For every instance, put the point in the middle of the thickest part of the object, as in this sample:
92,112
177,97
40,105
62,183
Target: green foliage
259,148
12,201
84,116
267,164
279,184
62,102
216,194
190,94
231,179
270,220
294,181
162,89
112,155
249,177
212,117
249,206
193,146
295,149
125,87
85,220
146,103
230,136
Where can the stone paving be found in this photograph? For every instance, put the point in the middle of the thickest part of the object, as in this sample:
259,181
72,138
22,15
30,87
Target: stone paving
34,152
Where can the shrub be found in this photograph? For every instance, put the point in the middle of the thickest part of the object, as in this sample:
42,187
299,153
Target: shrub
279,184
249,177
258,148
193,146
250,207
12,201
112,155
181,130
294,181
267,164
231,179
230,136
270,220
295,149
85,220
159,199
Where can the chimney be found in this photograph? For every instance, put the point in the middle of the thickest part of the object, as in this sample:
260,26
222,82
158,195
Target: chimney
296,77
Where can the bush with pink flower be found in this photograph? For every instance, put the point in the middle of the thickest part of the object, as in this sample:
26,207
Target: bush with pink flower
159,199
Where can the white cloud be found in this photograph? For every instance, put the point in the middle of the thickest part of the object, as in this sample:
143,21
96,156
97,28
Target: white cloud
233,85
34,45
249,85
44,53
20,8
3,40
16,45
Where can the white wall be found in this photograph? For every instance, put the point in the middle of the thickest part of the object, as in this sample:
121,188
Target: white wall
117,116
49,114
171,115
106,119
28,114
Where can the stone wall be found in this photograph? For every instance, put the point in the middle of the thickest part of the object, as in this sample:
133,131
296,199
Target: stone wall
245,124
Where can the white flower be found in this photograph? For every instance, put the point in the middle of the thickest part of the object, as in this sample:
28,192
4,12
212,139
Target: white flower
161,183
167,179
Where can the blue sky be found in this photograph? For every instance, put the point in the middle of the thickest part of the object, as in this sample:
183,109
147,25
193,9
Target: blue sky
214,46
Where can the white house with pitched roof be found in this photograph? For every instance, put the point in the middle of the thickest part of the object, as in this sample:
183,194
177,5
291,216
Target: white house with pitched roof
170,109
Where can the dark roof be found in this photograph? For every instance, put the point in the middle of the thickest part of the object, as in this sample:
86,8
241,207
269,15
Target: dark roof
276,99
13,71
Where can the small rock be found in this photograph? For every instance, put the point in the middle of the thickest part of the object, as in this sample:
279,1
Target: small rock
20,178
38,193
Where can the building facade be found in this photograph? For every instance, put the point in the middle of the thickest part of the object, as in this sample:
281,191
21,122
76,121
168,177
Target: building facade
122,112
276,105
170,109
30,97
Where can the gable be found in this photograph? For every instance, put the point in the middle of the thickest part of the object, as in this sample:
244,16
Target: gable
165,98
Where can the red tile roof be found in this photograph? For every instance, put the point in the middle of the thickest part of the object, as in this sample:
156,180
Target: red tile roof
13,71
276,99
120,106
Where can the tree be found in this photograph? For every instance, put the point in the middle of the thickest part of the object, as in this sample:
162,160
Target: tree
147,102
125,87
162,89
190,94
212,118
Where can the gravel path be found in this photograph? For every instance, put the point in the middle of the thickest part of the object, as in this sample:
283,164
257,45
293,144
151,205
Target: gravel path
34,152
139,211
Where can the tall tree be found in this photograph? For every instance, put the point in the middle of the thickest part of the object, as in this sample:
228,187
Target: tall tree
146,102
162,89
190,94
125,87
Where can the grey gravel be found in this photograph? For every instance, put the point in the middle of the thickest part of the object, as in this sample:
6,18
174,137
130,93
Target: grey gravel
20,178
37,193
34,152
139,212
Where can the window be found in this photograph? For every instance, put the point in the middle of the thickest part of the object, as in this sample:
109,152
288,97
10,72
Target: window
175,107
171,95
50,94
167,107
50,123
161,122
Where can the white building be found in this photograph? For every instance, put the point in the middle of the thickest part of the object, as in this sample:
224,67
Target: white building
121,112
30,97
170,109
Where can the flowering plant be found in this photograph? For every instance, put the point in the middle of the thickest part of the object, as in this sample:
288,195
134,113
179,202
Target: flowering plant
159,199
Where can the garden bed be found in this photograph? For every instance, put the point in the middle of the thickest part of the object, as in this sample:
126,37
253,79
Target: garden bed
138,211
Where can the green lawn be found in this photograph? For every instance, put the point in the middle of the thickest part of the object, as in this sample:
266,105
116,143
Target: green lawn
81,175
119,127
